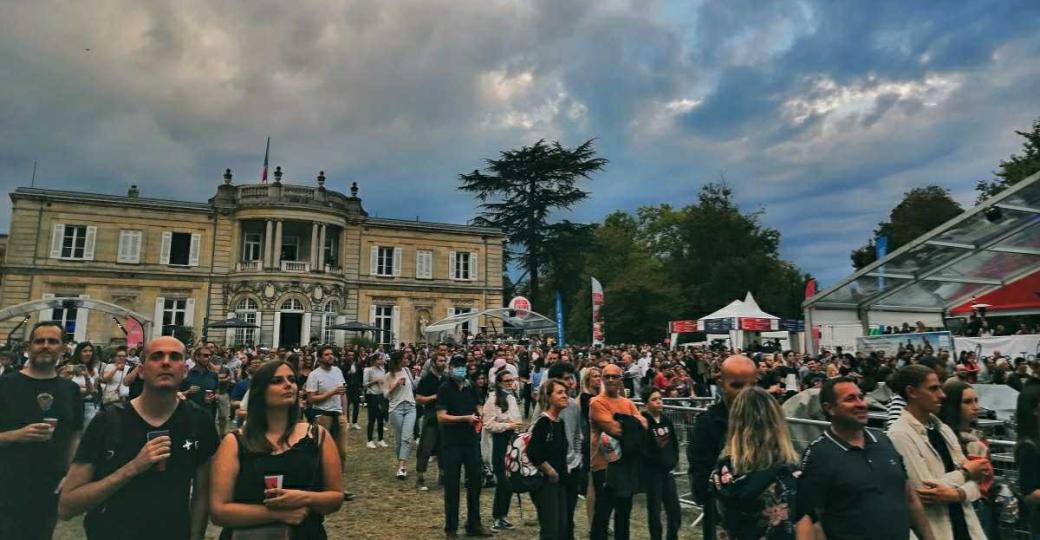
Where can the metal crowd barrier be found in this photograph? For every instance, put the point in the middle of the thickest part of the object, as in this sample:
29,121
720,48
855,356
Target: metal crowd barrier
804,431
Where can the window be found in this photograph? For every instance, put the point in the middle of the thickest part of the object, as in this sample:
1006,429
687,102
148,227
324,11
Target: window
385,261
467,327
292,304
330,250
463,265
66,316
129,246
180,249
73,242
384,320
247,311
253,247
328,320
174,314
423,264
290,248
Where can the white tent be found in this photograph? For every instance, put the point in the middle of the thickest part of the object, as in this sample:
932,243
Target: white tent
731,316
528,323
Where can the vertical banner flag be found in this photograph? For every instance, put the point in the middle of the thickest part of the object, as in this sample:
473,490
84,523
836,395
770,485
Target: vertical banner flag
559,321
880,250
597,316
263,172
814,329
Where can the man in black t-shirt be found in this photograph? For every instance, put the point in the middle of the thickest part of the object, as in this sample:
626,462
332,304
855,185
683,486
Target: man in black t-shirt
41,416
426,397
458,414
137,464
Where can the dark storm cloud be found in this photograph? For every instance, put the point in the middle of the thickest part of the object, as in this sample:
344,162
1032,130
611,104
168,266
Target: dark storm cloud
823,112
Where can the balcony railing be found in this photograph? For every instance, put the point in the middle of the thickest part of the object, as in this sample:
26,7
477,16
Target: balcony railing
250,266
296,266
333,269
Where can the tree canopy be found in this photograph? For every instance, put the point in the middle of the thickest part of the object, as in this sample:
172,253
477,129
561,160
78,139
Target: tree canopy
519,191
1016,168
921,210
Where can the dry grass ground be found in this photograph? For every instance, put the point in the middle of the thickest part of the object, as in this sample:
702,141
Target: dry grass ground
388,509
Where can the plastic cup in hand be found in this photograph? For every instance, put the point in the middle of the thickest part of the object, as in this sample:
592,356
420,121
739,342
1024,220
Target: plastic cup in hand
161,466
273,481
53,423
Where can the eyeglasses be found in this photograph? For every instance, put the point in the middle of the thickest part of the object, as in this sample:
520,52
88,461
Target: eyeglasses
46,341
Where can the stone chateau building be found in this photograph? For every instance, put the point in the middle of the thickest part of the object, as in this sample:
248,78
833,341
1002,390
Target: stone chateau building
293,259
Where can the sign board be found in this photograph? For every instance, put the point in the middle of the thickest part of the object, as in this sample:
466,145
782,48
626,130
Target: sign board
891,343
754,324
715,326
520,303
682,327
792,325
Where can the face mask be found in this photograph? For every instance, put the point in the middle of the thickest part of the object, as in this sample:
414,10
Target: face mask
458,372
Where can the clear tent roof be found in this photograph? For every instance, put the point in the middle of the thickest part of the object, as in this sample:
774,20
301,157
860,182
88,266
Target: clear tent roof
981,250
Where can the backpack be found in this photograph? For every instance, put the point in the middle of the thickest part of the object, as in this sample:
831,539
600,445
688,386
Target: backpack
522,475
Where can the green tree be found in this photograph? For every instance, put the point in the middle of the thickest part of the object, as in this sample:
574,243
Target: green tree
921,210
519,191
1016,168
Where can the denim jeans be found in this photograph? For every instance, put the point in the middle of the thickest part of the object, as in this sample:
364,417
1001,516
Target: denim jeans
402,418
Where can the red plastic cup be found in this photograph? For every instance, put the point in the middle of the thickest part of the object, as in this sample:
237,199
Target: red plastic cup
273,481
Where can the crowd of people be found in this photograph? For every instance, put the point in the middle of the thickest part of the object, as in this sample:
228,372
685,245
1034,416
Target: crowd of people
254,440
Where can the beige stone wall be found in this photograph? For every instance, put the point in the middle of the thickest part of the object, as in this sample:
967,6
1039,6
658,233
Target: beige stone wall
29,272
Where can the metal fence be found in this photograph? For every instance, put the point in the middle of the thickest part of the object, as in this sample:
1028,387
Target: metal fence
804,431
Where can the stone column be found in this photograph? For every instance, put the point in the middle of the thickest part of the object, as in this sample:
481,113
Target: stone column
276,258
314,243
268,239
321,248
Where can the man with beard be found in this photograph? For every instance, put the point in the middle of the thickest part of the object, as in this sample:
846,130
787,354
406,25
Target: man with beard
41,416
458,414
426,397
142,470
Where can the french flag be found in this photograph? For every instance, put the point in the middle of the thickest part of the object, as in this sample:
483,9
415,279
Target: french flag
263,172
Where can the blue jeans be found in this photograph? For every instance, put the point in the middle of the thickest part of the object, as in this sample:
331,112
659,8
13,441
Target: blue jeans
402,418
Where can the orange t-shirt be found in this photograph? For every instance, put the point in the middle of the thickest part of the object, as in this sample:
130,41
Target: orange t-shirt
601,418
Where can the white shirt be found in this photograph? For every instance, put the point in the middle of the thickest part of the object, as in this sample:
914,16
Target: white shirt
321,381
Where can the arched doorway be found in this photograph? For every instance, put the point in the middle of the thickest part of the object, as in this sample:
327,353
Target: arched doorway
292,324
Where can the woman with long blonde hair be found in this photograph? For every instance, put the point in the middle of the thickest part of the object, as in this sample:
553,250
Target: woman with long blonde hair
755,480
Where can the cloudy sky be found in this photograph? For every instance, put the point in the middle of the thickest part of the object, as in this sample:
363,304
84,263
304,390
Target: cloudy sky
821,112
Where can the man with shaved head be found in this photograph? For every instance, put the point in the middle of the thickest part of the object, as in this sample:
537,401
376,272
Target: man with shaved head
137,464
709,434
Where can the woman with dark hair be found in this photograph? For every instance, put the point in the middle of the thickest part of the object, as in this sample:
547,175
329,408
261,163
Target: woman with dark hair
399,389
480,382
960,411
502,420
85,374
372,380
1027,453
277,475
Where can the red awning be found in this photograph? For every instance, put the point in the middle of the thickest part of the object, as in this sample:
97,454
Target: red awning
1023,294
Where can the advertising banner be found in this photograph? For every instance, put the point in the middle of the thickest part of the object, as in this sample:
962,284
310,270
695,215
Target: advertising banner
891,343
682,327
597,315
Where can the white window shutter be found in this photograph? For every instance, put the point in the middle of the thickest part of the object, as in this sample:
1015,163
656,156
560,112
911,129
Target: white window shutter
372,314
452,267
419,262
305,333
157,321
193,254
397,261
46,314
395,326
258,329
57,237
135,246
189,313
88,244
473,266
164,251
81,322
430,258
277,329
123,251
374,261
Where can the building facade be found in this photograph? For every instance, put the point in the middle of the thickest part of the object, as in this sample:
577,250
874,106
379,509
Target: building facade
292,259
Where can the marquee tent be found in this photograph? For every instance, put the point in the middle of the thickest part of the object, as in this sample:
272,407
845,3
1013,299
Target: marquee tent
985,249
739,315
528,323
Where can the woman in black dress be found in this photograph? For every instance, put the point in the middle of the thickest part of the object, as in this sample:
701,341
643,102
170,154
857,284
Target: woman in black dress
275,448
